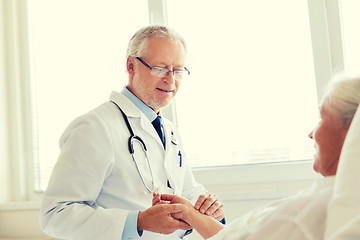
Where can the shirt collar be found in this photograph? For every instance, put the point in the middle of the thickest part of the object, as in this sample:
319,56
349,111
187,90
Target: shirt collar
145,109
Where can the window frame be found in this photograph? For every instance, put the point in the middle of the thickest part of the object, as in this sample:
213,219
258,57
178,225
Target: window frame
19,122
17,106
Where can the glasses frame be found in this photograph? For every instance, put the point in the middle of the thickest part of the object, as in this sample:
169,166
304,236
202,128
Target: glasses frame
168,71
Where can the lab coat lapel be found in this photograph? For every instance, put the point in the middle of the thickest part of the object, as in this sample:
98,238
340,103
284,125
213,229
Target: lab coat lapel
126,105
167,132
149,128
170,154
132,111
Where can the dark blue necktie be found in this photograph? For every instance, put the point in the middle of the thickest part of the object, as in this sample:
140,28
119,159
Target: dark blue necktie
157,123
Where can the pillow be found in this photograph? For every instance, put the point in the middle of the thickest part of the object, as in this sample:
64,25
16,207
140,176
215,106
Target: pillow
343,221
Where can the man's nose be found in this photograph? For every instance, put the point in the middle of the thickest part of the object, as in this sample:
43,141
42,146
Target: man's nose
169,78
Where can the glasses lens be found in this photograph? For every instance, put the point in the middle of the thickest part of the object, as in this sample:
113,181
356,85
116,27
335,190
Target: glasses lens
181,74
159,71
162,72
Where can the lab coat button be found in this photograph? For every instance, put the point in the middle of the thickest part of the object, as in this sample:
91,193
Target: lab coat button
157,189
144,192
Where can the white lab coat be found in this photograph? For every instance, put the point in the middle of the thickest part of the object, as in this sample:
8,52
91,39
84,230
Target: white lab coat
95,183
300,217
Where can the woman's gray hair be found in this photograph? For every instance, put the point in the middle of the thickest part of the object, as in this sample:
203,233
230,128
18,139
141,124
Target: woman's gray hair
343,97
137,43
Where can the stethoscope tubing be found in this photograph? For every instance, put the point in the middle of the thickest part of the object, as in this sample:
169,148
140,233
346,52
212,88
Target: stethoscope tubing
132,138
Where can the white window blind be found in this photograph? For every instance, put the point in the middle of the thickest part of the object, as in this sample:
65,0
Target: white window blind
77,59
251,97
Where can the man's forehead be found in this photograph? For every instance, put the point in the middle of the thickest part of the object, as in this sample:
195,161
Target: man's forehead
164,51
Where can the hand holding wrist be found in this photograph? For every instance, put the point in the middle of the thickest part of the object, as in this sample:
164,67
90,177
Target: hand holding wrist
189,214
159,219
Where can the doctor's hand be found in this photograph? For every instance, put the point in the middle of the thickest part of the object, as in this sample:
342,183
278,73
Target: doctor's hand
210,205
159,219
172,199
157,199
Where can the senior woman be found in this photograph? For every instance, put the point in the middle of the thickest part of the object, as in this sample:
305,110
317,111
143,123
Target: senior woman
303,216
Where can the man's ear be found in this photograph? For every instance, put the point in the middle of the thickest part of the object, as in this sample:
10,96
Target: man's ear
130,66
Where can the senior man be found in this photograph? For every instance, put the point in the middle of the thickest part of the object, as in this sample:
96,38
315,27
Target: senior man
113,158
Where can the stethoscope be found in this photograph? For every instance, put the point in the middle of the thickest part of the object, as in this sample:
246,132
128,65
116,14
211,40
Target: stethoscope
131,140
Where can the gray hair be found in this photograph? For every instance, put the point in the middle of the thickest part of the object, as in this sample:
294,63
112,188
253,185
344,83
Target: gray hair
137,43
343,97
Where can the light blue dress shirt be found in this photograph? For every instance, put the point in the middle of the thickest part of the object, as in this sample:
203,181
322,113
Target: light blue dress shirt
130,228
149,113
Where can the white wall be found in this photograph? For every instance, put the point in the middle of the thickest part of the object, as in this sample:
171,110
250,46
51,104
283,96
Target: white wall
20,221
243,188
240,188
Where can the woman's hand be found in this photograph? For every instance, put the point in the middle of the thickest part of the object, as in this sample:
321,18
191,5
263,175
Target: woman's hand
210,205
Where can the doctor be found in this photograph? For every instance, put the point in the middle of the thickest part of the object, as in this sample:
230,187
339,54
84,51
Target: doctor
113,158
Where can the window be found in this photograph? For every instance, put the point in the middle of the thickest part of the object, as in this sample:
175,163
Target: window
242,56
252,96
77,59
350,19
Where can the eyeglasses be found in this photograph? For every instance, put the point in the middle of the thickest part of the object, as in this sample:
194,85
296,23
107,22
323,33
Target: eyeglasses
179,74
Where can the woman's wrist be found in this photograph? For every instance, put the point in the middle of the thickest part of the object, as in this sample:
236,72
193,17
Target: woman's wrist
205,225
190,214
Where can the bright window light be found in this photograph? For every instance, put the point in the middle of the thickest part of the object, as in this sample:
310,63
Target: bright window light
350,20
77,59
251,97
